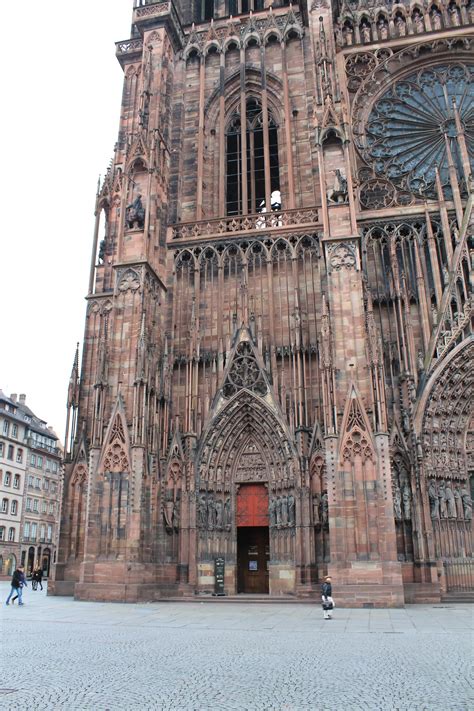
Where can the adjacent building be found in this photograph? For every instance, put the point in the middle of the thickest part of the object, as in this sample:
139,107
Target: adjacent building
30,468
277,376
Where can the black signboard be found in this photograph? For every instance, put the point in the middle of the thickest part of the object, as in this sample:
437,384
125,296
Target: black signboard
219,572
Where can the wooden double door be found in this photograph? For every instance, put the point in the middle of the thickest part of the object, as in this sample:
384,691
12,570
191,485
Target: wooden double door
253,555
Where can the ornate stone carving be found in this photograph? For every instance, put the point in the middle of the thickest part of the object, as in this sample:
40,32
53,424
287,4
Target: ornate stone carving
341,256
245,372
129,281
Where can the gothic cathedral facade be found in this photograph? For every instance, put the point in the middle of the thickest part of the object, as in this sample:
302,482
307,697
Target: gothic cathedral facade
277,370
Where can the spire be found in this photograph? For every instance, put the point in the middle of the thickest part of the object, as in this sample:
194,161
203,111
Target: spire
73,389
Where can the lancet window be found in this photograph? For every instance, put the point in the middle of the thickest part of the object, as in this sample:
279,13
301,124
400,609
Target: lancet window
253,179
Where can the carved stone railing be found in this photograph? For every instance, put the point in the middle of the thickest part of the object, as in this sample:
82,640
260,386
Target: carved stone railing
129,49
368,21
267,223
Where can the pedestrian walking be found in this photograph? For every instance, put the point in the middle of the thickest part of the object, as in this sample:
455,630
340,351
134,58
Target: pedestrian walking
326,595
17,583
37,578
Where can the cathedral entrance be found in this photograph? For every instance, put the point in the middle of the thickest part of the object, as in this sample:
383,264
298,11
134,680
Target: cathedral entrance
253,539
253,555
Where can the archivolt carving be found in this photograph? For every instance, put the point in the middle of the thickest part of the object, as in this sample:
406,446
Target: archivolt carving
448,411
341,255
357,441
246,442
129,280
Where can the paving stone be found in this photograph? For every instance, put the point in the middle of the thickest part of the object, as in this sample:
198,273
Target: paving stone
192,657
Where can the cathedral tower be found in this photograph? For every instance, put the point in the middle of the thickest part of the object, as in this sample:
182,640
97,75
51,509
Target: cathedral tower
278,363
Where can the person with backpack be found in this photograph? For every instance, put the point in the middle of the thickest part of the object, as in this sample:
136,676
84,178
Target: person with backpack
37,578
326,595
17,583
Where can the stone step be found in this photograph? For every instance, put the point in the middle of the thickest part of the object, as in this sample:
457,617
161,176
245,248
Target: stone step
244,598
459,597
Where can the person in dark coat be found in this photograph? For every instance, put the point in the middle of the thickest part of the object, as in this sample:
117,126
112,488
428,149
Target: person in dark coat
326,596
37,578
18,582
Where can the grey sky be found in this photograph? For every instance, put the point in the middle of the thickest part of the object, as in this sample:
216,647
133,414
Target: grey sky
61,104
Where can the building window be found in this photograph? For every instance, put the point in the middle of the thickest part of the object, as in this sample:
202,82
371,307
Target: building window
19,455
4,505
54,467
51,507
28,504
43,506
2,533
15,431
8,479
239,7
37,483
40,462
14,507
48,465
26,530
33,460
11,534
205,10
50,532
16,481
31,480
10,452
35,505
42,532
46,484
1,449
34,528
246,191
6,427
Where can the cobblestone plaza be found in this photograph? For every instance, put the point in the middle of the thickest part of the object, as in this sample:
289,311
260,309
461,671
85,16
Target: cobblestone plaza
63,654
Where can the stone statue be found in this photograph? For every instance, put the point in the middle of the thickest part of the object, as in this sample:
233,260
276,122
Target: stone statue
436,22
348,34
420,361
219,507
102,251
211,514
168,507
135,214
406,497
338,193
401,26
434,500
455,17
272,511
382,27
467,504
291,510
365,31
443,511
316,520
176,516
284,511
278,511
227,515
458,500
450,502
418,23
397,502
324,508
202,511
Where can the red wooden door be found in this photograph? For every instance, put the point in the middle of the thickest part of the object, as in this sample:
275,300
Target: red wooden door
252,505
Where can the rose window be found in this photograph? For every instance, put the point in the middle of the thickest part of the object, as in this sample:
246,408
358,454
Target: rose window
406,129
244,373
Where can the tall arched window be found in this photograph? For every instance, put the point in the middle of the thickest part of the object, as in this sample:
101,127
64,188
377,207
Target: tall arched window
256,164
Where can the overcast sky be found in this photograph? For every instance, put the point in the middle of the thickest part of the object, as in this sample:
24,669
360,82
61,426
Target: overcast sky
61,103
